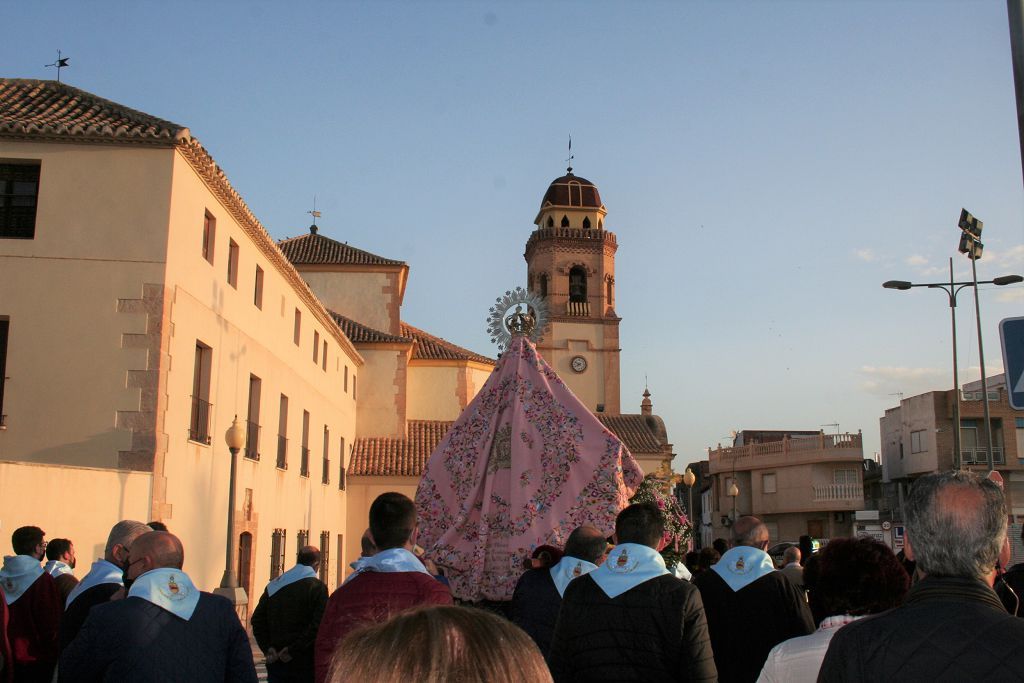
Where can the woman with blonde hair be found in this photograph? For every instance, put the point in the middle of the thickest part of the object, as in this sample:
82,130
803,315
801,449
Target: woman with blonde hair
438,644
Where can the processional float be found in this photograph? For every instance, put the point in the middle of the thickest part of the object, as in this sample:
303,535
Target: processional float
524,464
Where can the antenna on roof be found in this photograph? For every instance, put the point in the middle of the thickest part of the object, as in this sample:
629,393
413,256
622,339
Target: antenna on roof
61,63
569,160
315,214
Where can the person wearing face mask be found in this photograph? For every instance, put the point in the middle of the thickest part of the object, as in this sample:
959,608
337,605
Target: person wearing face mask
60,564
166,629
105,578
34,605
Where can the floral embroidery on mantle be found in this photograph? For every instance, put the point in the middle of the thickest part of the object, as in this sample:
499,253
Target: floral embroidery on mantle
487,499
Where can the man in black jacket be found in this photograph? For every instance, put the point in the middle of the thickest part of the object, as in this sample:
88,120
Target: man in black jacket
287,618
1010,587
952,626
164,630
630,619
538,594
750,606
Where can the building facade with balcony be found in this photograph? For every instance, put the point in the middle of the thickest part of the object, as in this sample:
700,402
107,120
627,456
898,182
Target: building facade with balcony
917,438
796,482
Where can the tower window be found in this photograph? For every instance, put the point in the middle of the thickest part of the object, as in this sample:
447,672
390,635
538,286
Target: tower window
565,221
586,223
543,286
551,222
609,292
578,284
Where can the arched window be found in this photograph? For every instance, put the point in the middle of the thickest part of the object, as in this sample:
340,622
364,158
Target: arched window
543,285
586,223
551,222
529,282
578,284
609,292
600,225
565,221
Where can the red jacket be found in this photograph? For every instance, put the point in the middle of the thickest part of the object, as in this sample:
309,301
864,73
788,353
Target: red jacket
372,597
32,630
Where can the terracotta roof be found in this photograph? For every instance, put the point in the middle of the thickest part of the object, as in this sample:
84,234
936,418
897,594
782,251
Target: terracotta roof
361,334
314,248
572,190
429,347
48,109
640,433
386,456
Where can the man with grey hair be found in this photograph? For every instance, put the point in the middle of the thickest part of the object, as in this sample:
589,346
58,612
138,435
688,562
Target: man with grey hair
751,607
791,567
952,625
105,578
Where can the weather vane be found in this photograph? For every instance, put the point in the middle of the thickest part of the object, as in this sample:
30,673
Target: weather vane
569,160
314,213
61,63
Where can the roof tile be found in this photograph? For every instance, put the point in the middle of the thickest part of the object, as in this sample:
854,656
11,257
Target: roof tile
361,334
315,249
429,347
387,456
636,431
48,109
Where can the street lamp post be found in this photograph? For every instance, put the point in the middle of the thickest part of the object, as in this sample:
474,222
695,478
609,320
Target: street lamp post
951,289
689,478
734,492
229,588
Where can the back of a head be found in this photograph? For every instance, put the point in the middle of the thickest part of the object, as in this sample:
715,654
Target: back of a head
721,545
854,576
791,554
640,523
749,531
956,524
586,543
308,556
157,526
57,547
392,520
707,558
162,547
441,644
123,533
367,548
26,539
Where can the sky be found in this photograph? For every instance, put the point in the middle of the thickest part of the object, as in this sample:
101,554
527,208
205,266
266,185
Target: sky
765,166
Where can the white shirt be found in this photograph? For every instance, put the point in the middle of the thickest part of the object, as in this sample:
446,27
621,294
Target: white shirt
799,659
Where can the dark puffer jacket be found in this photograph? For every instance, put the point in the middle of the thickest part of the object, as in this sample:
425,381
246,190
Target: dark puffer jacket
948,629
653,632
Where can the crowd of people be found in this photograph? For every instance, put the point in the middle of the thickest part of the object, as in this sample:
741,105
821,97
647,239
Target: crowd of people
592,611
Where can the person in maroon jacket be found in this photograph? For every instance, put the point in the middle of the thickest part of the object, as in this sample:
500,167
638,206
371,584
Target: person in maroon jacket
33,601
383,585
6,661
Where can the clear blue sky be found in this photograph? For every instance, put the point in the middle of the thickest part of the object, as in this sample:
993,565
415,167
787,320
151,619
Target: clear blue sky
765,166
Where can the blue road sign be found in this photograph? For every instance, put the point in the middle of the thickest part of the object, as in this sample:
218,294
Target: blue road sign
1011,335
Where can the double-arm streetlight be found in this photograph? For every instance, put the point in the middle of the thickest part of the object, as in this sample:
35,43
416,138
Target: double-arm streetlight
951,289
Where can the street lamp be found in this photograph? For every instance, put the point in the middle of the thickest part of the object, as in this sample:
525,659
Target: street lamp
951,289
733,492
689,478
229,588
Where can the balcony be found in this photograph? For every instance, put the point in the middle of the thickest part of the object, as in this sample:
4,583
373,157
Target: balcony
577,309
788,451
252,440
282,452
828,493
199,421
979,456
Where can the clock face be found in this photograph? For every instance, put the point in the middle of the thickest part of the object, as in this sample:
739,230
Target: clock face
579,363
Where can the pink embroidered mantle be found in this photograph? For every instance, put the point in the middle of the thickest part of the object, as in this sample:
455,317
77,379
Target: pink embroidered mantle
524,465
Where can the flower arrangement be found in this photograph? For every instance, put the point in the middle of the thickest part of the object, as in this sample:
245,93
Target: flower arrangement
677,527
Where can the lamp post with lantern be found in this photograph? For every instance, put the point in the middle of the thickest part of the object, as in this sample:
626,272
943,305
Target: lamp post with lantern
229,588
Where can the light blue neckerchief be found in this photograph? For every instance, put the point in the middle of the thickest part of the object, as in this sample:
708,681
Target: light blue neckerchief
390,560
567,569
627,566
170,589
296,573
101,572
55,568
18,575
741,566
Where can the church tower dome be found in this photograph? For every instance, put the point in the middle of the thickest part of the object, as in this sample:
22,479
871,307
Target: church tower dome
570,260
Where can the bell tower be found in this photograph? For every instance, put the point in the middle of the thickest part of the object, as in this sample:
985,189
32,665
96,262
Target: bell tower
570,261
